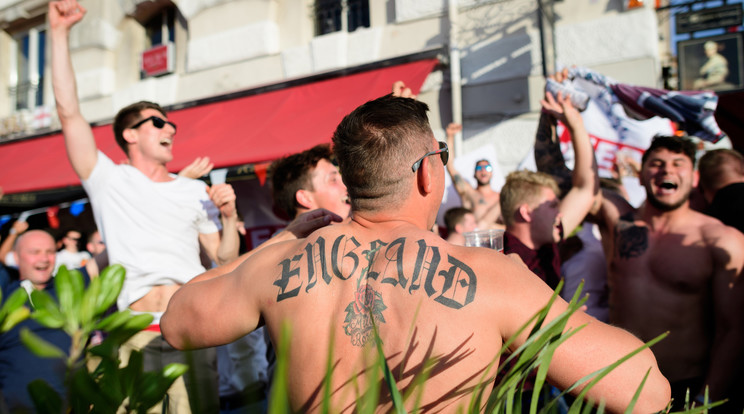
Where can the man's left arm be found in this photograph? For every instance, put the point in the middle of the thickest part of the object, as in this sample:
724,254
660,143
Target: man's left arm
725,371
584,193
223,248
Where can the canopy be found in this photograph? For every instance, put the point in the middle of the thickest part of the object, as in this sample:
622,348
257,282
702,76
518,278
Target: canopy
248,129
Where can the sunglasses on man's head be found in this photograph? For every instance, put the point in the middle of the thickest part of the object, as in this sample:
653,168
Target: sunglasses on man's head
157,122
486,167
443,152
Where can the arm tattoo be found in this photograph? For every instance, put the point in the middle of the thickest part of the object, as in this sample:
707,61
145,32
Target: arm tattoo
631,240
452,283
548,155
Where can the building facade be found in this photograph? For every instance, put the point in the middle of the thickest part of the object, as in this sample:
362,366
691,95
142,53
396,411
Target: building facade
179,51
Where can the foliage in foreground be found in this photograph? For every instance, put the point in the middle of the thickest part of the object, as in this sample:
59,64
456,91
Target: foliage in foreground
79,311
529,362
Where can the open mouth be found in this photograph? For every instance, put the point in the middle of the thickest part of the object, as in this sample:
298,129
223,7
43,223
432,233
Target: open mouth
166,142
667,187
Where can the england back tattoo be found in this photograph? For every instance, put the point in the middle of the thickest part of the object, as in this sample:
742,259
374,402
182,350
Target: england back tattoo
452,284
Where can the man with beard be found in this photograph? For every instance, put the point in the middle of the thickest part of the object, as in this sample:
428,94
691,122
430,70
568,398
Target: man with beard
674,269
482,200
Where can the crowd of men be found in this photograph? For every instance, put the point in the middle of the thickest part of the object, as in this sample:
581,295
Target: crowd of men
358,264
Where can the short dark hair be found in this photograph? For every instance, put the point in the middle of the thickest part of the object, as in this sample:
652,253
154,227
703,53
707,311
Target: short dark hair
128,116
678,145
454,216
293,173
715,165
376,145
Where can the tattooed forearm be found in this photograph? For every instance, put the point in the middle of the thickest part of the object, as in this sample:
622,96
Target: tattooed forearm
548,155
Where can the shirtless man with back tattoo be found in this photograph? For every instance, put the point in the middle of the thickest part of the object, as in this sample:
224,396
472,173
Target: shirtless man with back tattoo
428,298
674,269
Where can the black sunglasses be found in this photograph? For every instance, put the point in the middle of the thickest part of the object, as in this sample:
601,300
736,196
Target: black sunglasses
157,122
443,152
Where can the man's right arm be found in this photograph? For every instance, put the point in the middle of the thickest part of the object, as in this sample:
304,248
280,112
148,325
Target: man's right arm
596,345
79,140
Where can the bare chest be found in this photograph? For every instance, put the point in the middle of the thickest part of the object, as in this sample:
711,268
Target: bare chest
676,259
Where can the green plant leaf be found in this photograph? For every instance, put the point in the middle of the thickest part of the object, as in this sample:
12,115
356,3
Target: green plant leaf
112,281
114,320
14,301
88,303
278,401
46,310
69,287
89,392
40,347
387,375
14,318
48,318
45,398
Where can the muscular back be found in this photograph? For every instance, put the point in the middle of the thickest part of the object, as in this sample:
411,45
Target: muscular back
425,300
664,280
433,302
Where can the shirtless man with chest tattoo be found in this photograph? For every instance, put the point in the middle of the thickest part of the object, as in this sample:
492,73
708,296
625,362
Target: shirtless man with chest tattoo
674,269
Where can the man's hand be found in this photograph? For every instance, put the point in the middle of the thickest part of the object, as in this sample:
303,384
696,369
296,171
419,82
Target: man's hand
223,196
452,130
200,167
19,226
401,90
562,109
309,221
64,14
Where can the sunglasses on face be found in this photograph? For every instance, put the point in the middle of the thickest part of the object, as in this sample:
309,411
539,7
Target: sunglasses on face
157,122
443,152
486,167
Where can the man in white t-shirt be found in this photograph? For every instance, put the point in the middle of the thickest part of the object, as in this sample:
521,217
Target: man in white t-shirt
152,221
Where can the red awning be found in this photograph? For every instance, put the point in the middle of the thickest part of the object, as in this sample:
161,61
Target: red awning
244,130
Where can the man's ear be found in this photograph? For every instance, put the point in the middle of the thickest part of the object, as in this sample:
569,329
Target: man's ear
305,199
130,135
524,213
423,177
695,178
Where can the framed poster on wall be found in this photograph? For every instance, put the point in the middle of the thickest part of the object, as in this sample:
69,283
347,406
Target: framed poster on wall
711,63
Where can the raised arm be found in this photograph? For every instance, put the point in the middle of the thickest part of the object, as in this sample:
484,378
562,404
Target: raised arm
7,245
584,190
79,141
462,187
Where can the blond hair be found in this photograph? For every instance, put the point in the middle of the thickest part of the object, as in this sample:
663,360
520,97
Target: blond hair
523,187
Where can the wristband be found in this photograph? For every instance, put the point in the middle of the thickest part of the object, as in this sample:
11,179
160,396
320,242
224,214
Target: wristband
12,231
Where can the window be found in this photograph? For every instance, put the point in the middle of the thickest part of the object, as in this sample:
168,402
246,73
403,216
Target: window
161,26
27,68
340,15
